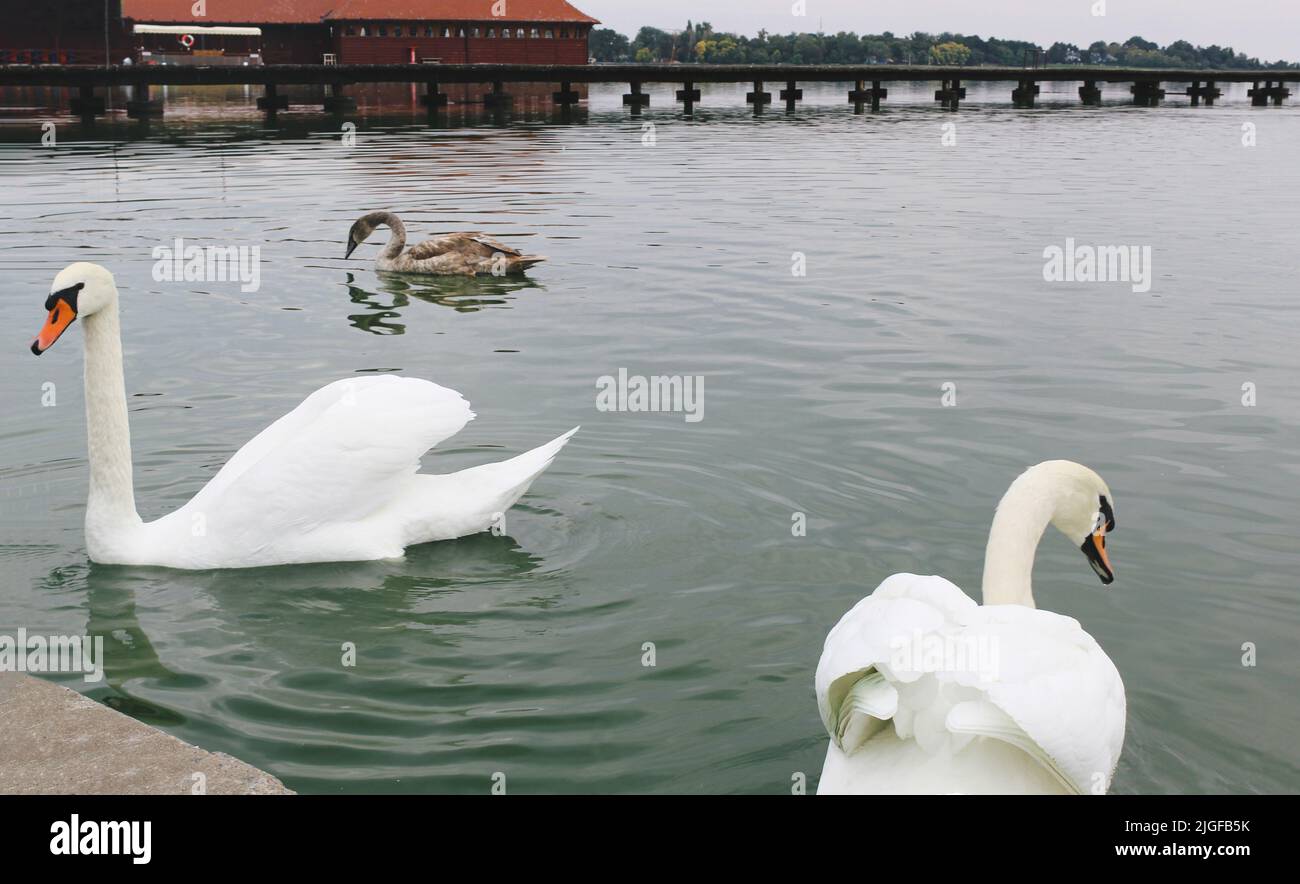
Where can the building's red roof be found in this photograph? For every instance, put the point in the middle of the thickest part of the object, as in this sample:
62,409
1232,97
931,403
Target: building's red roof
457,10
229,12
270,12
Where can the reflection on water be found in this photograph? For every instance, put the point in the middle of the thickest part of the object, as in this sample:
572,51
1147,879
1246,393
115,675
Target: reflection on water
196,112
237,620
464,294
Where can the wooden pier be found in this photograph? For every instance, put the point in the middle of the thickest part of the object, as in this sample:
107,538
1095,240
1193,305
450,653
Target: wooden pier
1145,87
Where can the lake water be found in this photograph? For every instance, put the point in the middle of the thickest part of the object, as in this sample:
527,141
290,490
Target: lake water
672,253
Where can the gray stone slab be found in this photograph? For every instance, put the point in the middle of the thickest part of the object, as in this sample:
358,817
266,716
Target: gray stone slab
53,740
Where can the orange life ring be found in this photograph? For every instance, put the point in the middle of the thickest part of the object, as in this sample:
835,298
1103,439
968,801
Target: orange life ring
187,40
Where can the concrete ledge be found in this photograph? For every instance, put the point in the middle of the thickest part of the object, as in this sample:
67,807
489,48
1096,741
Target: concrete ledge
57,742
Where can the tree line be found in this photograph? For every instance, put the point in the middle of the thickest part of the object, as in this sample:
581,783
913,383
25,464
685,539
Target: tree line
702,44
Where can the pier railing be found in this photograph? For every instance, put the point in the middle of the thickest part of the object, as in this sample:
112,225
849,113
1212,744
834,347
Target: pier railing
868,89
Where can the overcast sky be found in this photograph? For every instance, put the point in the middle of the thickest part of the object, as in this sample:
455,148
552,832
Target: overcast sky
1269,29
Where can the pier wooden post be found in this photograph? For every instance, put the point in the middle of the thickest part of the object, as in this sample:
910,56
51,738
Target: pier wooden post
791,95
498,98
1089,94
273,101
1211,94
758,98
950,95
337,102
1207,92
636,99
1260,97
689,96
432,99
1025,93
567,96
859,95
141,105
85,104
1147,93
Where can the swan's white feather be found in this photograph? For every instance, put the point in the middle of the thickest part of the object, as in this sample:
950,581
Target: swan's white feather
365,433
337,479
1052,695
869,704
442,507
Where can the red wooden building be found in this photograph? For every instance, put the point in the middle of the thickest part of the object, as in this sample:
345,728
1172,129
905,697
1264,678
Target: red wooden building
391,31
460,31
72,32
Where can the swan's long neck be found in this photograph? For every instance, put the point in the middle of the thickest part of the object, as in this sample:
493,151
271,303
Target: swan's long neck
397,241
1024,513
112,495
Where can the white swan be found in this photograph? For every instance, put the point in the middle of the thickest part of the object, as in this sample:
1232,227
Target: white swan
334,480
923,691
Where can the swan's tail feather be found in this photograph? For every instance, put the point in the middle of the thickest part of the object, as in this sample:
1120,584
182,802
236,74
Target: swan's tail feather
514,264
523,262
515,475
476,499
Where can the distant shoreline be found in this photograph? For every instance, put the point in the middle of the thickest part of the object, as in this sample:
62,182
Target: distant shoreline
700,43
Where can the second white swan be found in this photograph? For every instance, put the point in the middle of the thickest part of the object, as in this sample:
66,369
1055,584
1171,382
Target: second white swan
923,691
336,479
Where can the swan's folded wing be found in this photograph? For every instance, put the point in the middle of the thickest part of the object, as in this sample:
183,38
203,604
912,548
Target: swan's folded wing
1057,684
921,653
493,245
471,245
871,634
347,451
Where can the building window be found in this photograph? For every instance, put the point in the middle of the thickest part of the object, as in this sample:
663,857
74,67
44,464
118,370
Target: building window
534,34
564,33
351,31
520,33
446,32
492,33
412,30
476,32
428,30
550,35
383,30
505,33
365,31
460,32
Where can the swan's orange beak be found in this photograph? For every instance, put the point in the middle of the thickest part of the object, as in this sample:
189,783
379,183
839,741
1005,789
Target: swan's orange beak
1095,549
1100,539
61,316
